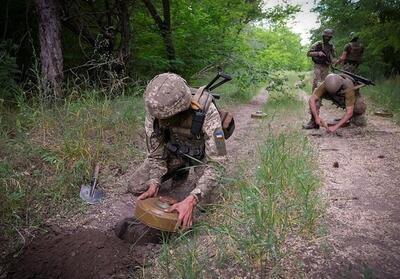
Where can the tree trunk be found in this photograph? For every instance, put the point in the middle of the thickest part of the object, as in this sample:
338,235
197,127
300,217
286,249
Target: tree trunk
165,29
125,31
51,56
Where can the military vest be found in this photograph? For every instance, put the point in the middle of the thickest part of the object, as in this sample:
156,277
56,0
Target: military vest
178,137
356,53
325,48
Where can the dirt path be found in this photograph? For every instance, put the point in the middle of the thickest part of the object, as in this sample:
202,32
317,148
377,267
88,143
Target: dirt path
85,246
363,200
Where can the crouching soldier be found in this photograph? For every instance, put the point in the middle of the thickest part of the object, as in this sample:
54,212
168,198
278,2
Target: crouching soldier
183,131
344,93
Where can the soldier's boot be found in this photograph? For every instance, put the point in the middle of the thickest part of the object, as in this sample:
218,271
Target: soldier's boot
311,124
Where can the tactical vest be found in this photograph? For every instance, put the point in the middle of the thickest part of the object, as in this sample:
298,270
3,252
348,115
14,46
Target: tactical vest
356,53
186,137
325,48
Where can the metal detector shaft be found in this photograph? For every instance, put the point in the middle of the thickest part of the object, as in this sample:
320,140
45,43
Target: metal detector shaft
225,78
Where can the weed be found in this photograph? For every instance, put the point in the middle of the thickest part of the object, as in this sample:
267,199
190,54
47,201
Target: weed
47,153
385,95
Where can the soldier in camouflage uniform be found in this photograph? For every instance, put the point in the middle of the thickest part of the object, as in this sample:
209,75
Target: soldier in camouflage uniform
352,54
322,54
172,146
344,93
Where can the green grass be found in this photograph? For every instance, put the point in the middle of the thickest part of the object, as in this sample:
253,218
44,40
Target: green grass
47,153
386,95
248,229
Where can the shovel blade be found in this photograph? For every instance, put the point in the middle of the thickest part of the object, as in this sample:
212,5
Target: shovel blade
91,199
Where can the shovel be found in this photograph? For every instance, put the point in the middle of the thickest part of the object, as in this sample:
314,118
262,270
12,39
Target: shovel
89,193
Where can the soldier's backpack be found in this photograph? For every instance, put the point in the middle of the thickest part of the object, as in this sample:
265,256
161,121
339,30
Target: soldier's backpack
356,53
201,101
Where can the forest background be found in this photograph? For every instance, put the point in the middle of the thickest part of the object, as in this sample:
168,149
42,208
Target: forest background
72,74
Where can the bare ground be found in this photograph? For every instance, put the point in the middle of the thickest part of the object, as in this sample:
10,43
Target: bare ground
361,175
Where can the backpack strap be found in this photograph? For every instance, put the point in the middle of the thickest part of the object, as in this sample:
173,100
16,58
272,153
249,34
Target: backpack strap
202,99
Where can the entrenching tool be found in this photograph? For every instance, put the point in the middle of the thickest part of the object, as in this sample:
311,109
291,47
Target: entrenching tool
89,193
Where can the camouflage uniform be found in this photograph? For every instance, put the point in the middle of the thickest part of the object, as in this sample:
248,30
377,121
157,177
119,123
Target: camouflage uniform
344,98
321,64
170,144
321,70
354,51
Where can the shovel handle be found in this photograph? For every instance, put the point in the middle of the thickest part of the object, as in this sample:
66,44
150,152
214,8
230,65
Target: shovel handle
95,176
96,171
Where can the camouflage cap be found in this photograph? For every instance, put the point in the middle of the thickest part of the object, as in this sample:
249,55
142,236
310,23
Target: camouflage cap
327,32
353,36
166,95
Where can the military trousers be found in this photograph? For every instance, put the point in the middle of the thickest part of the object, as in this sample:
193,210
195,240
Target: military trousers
175,183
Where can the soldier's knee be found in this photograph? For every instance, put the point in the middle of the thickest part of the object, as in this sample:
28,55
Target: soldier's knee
359,120
137,183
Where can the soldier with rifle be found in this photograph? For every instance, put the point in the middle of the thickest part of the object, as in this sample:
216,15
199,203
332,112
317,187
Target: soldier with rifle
352,54
322,53
184,130
343,90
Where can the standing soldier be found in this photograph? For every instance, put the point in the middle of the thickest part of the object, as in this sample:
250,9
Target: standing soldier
322,53
352,54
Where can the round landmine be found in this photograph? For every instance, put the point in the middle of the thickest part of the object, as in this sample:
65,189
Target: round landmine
383,113
151,213
258,114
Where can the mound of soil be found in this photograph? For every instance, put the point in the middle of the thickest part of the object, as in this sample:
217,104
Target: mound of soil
80,254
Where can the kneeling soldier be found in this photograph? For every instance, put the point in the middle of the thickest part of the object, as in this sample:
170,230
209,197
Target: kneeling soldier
180,133
343,92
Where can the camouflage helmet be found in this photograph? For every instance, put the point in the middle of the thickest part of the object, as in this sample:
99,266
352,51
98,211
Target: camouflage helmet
353,36
333,82
166,95
327,32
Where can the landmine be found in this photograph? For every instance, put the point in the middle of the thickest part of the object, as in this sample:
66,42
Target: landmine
258,114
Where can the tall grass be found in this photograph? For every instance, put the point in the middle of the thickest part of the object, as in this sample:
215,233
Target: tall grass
386,94
47,153
247,231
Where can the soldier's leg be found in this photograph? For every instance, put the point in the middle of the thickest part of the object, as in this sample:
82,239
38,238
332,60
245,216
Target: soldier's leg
316,79
359,118
352,68
137,182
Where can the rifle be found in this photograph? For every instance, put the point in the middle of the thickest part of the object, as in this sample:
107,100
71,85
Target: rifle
356,78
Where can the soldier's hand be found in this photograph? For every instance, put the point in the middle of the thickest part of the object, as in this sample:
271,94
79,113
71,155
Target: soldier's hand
321,54
185,211
318,121
151,192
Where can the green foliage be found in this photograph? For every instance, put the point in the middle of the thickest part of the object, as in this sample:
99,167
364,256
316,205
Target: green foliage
8,72
283,92
385,95
376,22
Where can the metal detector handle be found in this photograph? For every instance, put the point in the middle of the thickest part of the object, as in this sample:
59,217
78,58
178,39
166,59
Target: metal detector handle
225,77
95,176
212,86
